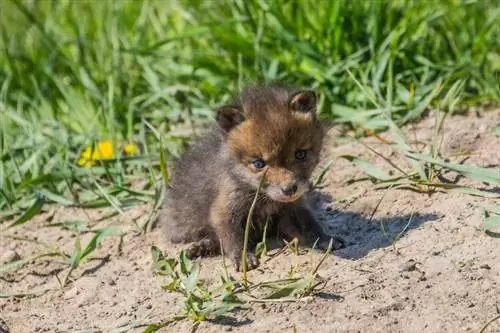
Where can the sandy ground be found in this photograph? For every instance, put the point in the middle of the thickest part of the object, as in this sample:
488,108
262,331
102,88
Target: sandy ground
441,275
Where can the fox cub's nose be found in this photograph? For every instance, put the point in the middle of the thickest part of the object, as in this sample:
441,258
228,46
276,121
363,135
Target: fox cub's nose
289,189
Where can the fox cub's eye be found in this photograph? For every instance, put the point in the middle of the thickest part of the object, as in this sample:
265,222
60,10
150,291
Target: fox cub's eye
300,154
259,163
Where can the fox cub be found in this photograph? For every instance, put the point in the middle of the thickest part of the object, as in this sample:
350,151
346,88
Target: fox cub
270,129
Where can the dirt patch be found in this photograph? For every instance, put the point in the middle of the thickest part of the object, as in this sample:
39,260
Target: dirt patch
441,275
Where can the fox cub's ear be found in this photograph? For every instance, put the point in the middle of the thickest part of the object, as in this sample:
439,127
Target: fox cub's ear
303,101
229,116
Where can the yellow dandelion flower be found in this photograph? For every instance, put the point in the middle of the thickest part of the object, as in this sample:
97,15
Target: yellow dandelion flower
105,150
131,149
84,158
101,151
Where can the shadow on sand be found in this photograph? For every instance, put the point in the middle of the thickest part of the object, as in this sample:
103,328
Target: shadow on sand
362,235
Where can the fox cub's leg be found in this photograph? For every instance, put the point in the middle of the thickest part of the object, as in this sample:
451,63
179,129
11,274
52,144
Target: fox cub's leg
229,228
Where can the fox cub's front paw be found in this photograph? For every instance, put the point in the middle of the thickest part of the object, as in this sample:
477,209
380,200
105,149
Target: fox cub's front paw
252,261
337,243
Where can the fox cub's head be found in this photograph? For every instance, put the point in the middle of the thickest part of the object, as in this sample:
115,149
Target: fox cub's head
273,129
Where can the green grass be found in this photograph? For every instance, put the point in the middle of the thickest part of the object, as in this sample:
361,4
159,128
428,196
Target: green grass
203,303
73,73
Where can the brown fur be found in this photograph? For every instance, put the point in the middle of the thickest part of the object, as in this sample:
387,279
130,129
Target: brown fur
215,181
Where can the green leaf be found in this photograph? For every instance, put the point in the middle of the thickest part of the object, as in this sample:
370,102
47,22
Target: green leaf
463,189
192,280
472,191
470,171
424,103
185,34
185,263
350,115
492,208
166,267
18,263
163,164
293,288
261,249
368,168
214,309
55,197
402,145
77,225
155,327
98,238
452,97
172,286
492,226
32,211
115,203
74,261
156,254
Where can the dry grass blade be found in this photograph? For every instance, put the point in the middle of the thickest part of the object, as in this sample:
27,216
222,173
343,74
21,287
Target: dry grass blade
483,330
